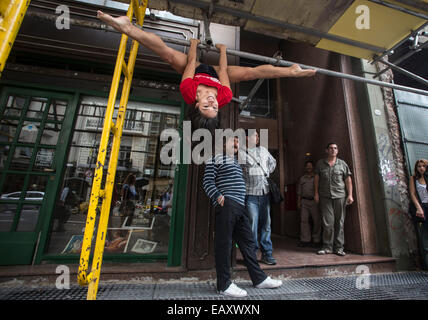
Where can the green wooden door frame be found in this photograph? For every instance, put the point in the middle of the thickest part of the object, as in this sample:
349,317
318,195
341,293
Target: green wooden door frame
175,246
64,142
20,247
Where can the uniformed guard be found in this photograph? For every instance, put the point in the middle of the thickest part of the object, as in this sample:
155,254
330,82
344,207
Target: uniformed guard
308,209
333,191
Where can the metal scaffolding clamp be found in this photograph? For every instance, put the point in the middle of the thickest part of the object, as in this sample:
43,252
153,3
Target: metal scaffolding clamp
207,16
208,39
415,47
104,195
405,72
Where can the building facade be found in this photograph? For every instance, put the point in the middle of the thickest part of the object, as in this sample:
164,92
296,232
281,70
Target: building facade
53,99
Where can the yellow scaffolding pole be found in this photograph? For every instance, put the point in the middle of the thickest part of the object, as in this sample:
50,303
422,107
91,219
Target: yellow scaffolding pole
137,8
12,13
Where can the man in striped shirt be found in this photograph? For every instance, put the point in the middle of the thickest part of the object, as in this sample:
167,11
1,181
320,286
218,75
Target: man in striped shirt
225,186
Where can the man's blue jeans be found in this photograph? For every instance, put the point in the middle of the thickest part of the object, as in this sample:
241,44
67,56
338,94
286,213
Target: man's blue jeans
258,212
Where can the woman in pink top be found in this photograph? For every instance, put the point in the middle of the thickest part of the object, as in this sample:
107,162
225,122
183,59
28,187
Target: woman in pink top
179,61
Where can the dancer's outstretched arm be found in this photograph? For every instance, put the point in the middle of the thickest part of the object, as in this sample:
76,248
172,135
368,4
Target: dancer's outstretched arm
189,71
223,76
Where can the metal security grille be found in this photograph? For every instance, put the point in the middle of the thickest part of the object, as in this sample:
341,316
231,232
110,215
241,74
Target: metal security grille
392,286
413,117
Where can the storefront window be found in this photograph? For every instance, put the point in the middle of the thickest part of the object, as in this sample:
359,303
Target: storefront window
29,131
140,213
261,103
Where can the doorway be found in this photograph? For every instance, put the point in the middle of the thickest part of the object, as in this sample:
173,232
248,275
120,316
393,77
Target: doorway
309,114
32,132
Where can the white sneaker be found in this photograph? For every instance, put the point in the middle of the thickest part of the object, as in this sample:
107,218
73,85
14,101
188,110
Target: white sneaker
269,283
234,291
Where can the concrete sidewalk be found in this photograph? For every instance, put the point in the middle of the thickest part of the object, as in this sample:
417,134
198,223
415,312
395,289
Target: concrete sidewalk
388,286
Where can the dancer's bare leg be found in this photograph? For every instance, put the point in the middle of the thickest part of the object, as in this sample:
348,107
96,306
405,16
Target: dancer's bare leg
266,71
177,59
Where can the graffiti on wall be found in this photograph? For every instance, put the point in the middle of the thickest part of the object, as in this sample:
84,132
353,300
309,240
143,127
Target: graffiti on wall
396,197
387,169
387,165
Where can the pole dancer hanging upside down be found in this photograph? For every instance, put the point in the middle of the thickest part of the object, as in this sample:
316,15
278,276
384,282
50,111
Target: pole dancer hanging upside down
205,87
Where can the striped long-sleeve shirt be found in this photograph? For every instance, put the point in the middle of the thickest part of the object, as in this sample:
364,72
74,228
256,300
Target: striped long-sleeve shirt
223,176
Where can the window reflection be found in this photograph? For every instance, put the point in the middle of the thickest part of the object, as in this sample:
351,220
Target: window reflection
22,193
50,134
29,211
29,215
57,110
261,102
15,105
7,213
36,187
15,184
139,221
4,152
7,134
44,160
29,132
21,158
36,108
8,129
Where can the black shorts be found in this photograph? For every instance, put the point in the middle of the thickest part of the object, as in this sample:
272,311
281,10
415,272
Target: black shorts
204,68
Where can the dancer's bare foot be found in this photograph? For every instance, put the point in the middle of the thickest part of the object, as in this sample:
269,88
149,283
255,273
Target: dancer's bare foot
296,71
121,24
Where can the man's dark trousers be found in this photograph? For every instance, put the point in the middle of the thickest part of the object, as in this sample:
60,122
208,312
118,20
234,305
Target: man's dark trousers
232,223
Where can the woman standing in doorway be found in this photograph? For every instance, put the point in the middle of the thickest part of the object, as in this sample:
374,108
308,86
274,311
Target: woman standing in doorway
419,197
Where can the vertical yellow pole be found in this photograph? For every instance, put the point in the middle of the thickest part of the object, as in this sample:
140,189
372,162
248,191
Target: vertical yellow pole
96,192
12,13
105,210
93,277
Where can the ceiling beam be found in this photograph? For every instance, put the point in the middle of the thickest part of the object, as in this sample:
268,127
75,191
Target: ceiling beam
285,25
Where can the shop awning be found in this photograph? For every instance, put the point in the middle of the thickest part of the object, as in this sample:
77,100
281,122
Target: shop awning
360,28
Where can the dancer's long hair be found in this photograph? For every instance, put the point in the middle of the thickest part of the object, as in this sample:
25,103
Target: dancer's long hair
198,121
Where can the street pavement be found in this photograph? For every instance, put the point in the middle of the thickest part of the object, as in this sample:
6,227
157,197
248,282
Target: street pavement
389,286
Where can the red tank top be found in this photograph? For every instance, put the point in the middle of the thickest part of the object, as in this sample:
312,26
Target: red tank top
189,86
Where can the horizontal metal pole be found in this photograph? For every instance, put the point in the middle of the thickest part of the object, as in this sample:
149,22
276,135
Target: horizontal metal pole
237,100
267,60
416,142
405,72
413,33
404,57
285,63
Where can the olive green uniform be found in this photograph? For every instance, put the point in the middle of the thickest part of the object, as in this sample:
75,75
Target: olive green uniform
309,208
332,196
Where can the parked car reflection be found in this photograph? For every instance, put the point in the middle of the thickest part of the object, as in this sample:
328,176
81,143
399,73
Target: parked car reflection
29,212
31,195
